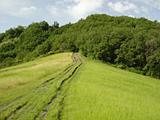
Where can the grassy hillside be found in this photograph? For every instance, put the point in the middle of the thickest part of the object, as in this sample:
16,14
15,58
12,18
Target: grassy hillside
102,92
27,90
67,87
12,77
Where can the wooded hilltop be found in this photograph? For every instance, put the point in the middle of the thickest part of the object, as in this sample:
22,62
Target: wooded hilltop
128,43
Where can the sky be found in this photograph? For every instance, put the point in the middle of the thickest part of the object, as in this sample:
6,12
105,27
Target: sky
25,12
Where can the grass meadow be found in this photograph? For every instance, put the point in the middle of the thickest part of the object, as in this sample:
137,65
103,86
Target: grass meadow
102,92
67,86
29,86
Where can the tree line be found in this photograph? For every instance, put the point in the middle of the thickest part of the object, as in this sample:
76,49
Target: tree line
128,43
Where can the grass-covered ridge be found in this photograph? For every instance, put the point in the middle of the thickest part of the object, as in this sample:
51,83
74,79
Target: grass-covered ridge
132,43
67,86
102,92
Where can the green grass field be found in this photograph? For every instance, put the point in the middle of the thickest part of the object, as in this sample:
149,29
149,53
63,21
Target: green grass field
66,86
102,92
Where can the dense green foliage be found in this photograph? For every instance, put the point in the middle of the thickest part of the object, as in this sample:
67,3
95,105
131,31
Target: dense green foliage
129,42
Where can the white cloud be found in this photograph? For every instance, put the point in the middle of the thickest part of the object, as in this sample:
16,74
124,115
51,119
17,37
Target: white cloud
55,11
8,5
153,3
123,6
85,7
156,3
74,11
17,8
25,12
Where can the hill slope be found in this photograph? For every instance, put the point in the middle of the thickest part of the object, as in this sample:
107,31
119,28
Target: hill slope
102,92
58,87
27,91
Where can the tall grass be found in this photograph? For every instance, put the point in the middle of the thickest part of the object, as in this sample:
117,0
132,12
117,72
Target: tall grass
102,92
22,85
47,89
